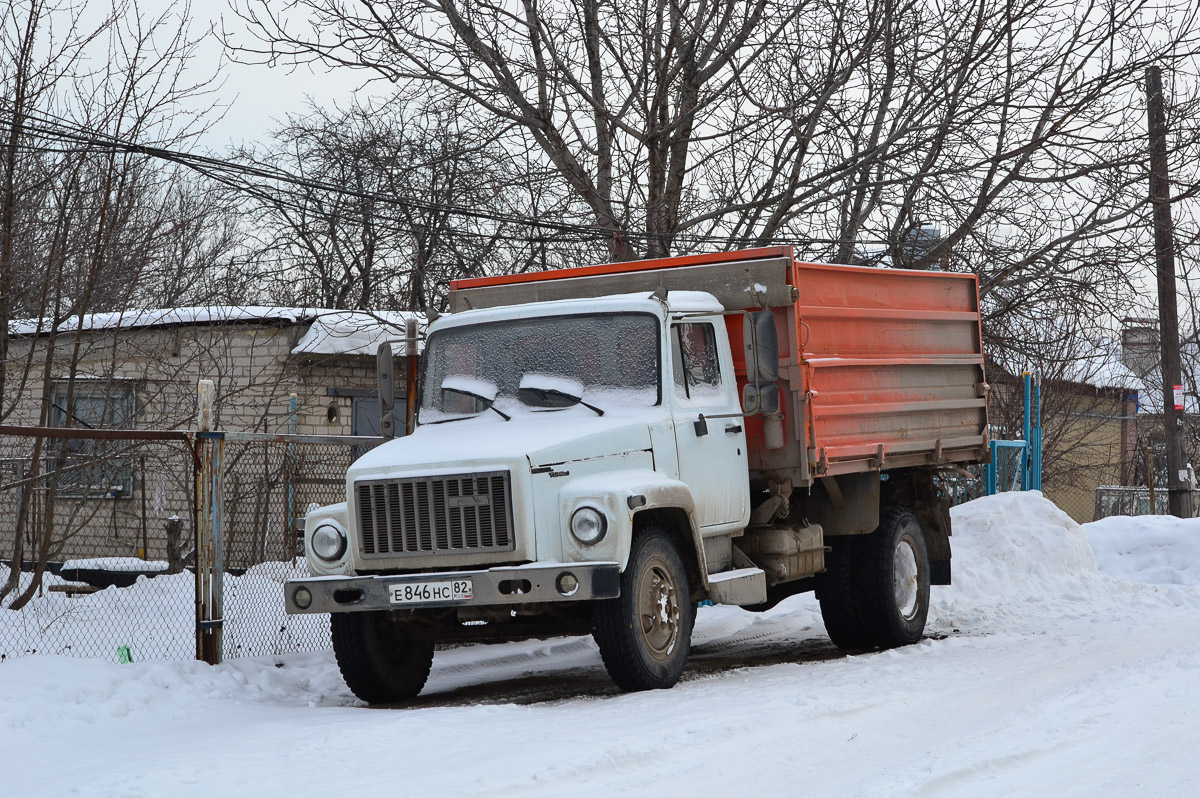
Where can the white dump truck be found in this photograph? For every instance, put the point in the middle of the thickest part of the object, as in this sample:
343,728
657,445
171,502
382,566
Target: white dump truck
598,449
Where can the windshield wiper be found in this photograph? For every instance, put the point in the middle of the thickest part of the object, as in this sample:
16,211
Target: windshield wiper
446,420
545,393
488,403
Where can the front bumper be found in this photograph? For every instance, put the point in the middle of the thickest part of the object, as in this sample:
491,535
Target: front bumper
520,584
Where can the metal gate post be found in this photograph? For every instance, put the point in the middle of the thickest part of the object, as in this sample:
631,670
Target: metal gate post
210,554
1036,439
989,473
210,549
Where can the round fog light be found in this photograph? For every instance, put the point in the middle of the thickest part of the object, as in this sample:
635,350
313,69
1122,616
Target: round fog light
302,597
566,583
328,542
588,525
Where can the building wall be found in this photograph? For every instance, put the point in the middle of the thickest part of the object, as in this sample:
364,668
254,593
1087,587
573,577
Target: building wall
1092,446
267,485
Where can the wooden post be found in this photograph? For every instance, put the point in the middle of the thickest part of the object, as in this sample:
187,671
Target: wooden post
1178,498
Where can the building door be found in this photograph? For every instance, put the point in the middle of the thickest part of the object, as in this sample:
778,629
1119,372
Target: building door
364,418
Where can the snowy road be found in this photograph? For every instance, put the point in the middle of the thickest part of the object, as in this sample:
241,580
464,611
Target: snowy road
1044,674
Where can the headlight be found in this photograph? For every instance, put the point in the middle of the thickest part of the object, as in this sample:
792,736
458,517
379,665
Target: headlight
588,525
328,542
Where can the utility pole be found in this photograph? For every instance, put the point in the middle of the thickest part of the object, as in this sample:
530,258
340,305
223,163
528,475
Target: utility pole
1178,498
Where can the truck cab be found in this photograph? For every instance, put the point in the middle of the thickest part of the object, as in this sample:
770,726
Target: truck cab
582,464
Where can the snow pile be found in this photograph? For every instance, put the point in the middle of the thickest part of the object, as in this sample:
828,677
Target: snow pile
1017,555
1155,549
699,301
115,564
85,691
1017,546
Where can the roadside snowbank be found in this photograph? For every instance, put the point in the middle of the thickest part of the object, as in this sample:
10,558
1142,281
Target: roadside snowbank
1158,550
1014,554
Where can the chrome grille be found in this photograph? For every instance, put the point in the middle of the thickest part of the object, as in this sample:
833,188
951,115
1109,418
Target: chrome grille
451,513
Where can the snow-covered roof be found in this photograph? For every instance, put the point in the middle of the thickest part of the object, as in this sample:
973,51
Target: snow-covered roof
1101,363
356,332
332,332
169,317
699,301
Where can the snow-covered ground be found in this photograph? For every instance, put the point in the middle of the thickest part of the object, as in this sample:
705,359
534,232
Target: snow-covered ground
1064,661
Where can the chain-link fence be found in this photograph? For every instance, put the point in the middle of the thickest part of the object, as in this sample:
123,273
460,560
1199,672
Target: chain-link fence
1114,482
94,536
269,484
97,539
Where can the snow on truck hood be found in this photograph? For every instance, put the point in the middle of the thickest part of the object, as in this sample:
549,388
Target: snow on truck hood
544,438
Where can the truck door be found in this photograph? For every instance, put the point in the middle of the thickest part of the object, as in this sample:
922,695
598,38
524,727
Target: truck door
712,464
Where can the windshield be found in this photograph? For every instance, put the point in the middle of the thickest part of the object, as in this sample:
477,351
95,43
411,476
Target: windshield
611,358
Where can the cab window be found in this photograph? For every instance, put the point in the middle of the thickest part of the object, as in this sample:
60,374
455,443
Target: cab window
696,366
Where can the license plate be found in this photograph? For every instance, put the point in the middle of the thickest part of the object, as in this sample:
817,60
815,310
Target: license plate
415,592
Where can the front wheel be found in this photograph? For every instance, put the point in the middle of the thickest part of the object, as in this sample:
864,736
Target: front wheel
645,634
382,660
892,574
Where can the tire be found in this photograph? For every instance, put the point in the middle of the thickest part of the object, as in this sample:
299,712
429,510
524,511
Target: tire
891,567
381,660
836,592
645,634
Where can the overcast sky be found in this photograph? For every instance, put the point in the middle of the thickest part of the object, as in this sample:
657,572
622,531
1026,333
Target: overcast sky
257,97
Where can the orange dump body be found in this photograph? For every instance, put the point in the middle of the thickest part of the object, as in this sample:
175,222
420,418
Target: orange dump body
878,368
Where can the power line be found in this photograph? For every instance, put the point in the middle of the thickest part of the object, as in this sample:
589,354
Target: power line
234,174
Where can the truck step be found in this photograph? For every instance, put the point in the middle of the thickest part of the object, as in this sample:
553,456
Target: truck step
743,586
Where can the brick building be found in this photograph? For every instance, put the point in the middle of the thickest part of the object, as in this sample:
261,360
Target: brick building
276,370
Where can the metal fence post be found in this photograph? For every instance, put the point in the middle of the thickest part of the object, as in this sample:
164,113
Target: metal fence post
1035,441
210,549
989,473
1027,457
290,476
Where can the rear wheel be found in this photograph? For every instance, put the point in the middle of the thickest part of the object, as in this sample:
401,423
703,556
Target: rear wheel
892,572
836,592
645,634
382,660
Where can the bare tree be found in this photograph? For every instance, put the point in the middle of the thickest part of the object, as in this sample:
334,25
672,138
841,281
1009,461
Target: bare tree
373,219
80,224
612,96
818,122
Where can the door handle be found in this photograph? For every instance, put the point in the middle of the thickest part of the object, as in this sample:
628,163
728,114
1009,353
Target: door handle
733,429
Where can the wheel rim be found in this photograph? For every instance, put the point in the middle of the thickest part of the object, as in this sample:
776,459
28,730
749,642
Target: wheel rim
906,578
658,609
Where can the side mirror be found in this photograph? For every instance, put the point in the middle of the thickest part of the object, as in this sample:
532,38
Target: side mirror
384,368
760,398
761,346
